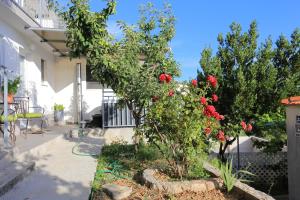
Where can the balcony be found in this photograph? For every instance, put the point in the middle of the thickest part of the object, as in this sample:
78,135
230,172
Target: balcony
39,11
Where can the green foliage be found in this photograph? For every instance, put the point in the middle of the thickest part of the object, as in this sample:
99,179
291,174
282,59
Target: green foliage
254,77
148,153
119,160
117,150
13,86
86,31
131,65
196,169
229,177
177,122
58,107
272,128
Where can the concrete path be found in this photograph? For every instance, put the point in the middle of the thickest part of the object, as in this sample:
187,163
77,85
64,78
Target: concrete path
59,173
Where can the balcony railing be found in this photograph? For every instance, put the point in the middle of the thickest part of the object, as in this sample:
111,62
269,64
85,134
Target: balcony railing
41,13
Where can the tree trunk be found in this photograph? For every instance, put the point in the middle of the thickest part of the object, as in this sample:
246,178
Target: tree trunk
137,135
223,149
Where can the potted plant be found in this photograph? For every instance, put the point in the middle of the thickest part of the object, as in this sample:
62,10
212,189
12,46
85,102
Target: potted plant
58,113
13,86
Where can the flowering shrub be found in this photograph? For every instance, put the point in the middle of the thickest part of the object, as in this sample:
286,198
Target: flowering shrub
182,118
232,131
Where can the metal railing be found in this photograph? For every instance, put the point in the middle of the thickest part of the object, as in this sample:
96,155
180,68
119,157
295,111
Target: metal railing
116,116
112,114
39,11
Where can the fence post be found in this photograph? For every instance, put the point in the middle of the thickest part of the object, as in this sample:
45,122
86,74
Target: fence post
238,154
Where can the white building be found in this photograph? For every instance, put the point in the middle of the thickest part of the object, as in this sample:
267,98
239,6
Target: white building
32,46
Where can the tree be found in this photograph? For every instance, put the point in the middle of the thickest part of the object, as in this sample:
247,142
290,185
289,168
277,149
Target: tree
139,58
86,32
253,78
131,65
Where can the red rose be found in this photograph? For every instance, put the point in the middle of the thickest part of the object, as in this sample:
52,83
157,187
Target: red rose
212,80
162,77
214,98
171,93
209,111
218,116
221,136
207,131
249,128
244,125
203,100
168,78
194,82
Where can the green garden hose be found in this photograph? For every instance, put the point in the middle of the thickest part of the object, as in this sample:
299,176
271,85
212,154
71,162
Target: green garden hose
82,154
115,169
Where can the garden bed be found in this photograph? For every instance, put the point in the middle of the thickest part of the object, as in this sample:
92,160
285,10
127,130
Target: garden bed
119,165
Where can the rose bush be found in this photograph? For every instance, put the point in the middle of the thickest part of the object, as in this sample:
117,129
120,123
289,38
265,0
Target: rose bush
182,119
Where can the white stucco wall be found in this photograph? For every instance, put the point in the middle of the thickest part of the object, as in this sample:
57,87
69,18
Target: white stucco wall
18,44
60,73
66,90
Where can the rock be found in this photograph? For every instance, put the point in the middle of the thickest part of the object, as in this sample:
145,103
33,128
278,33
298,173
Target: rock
117,192
172,187
197,186
175,187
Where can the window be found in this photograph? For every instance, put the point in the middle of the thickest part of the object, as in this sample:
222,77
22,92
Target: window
89,77
43,62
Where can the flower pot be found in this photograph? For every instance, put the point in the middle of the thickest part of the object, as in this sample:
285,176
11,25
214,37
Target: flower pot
58,115
10,98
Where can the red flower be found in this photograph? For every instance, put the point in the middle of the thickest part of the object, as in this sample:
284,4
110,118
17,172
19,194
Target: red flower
221,136
207,131
168,78
214,98
249,128
244,125
155,98
209,111
203,100
194,82
218,116
171,93
162,77
212,80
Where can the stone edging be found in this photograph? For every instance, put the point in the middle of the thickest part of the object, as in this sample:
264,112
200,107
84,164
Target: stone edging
243,189
175,187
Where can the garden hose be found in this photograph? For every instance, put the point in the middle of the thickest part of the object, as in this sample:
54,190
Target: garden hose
80,135
82,154
115,170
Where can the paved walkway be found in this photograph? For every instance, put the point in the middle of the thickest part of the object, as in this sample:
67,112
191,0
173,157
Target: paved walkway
60,174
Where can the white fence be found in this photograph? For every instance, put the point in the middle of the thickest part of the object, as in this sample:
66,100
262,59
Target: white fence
269,169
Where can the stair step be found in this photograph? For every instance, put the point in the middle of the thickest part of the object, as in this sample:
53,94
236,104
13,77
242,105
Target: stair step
14,173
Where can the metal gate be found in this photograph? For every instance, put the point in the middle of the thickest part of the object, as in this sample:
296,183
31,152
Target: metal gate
112,114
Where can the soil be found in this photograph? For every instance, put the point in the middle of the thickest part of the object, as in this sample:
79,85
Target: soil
142,193
161,176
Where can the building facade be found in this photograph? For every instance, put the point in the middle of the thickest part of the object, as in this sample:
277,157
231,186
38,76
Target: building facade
48,76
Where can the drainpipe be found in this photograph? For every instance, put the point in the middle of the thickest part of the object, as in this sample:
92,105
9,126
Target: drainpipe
79,93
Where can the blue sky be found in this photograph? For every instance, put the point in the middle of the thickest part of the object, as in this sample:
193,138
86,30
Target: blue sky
200,21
